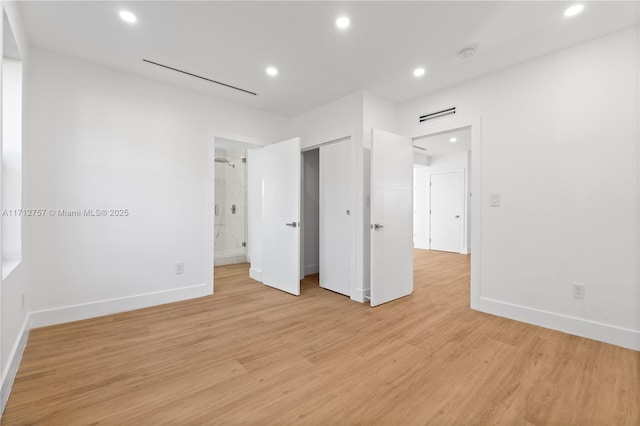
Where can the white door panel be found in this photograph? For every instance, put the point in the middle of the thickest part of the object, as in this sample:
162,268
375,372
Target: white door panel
391,217
447,216
281,215
336,217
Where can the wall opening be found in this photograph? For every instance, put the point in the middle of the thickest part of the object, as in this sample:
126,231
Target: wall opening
11,198
230,211
442,205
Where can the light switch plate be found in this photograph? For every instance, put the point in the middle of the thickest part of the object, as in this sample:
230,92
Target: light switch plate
494,200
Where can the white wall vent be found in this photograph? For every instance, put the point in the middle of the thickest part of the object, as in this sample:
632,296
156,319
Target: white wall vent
437,114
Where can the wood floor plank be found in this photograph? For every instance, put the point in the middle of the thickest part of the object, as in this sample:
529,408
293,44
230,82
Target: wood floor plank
251,354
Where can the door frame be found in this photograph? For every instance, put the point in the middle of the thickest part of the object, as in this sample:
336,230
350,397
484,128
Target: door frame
464,249
446,124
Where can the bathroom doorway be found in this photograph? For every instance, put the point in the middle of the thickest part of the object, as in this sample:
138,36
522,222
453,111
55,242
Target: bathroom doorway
230,212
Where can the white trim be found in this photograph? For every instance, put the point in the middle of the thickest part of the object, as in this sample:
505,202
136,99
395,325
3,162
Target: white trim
614,335
329,142
210,208
311,269
255,274
11,369
230,259
82,311
360,295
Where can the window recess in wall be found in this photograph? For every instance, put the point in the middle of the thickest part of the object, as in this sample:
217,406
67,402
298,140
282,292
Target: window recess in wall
11,164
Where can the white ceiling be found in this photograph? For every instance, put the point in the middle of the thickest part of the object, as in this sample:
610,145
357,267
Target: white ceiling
440,143
233,42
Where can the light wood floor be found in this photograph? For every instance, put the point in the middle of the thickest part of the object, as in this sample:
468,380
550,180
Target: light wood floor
254,355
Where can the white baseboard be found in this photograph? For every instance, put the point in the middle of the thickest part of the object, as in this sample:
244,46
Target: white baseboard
255,274
11,369
112,306
421,245
627,338
229,260
360,295
311,269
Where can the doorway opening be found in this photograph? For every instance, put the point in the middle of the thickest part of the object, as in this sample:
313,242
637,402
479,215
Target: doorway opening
442,182
230,211
310,220
230,208
429,159
327,222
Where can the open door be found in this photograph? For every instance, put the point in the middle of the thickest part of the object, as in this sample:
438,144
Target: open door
281,215
391,217
336,221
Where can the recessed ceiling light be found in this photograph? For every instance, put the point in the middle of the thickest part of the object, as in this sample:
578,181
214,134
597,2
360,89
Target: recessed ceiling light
343,22
128,16
418,72
453,140
273,71
573,10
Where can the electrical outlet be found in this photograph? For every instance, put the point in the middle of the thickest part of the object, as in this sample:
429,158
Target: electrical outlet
179,268
578,290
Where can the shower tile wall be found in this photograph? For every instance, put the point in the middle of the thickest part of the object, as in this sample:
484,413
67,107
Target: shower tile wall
230,224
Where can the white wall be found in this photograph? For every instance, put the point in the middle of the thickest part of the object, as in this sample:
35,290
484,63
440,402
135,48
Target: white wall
560,145
420,159
329,122
311,211
103,139
420,206
254,200
13,313
456,160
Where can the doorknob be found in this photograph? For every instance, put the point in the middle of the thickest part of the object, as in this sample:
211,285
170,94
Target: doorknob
292,224
376,226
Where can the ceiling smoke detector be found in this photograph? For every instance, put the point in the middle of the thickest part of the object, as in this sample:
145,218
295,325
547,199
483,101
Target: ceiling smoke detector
467,52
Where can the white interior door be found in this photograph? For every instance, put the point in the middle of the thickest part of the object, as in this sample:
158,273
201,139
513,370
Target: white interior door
281,215
446,218
336,218
391,217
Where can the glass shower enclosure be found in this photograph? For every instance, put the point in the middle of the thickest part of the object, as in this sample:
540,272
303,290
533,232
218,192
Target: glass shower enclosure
230,222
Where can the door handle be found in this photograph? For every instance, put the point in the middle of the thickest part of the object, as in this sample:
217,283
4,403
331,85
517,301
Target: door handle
376,226
292,224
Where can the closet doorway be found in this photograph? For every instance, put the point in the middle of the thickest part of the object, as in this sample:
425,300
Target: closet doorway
328,219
